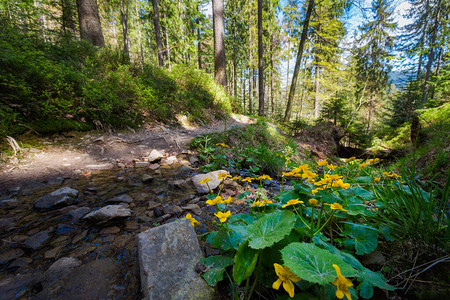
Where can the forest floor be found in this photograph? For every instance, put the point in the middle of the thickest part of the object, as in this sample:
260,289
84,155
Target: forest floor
76,153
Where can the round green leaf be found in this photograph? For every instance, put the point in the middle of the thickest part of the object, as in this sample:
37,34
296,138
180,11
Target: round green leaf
270,229
216,265
244,262
314,264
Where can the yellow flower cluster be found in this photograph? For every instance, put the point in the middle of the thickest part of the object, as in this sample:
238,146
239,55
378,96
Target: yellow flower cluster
218,200
223,145
391,175
297,172
368,162
262,177
351,159
322,163
223,176
260,203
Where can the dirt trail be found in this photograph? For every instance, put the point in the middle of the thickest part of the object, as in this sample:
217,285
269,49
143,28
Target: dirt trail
75,153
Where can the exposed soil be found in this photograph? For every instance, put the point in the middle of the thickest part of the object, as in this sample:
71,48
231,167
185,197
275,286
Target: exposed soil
75,153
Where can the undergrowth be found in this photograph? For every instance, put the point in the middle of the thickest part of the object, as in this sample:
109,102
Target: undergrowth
47,88
259,147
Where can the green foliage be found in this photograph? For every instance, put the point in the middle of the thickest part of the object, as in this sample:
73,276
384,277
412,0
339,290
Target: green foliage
74,86
258,147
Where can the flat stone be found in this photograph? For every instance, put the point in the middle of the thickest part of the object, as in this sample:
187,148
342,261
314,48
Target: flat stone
147,178
178,183
121,198
8,203
141,164
194,208
78,213
61,197
59,270
171,160
154,166
107,213
105,166
79,237
203,187
52,253
7,223
14,287
37,240
168,255
153,204
21,262
94,280
194,159
10,255
154,156
172,210
110,230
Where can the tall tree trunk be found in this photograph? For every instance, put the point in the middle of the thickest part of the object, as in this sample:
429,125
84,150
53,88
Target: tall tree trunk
250,93
199,41
243,88
166,34
272,71
113,25
157,32
250,63
89,21
316,88
141,47
220,74
124,18
289,105
260,61
287,71
422,39
431,53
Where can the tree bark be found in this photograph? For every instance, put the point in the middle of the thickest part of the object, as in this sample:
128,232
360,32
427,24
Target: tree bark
140,33
422,39
89,21
124,17
157,32
260,61
289,105
199,43
431,53
316,88
250,92
250,63
220,73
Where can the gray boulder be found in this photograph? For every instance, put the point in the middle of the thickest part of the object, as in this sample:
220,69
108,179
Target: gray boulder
108,213
59,270
168,255
203,187
121,198
61,197
155,155
37,240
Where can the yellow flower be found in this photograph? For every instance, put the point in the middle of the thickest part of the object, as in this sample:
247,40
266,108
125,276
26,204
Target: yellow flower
313,201
351,159
286,277
247,179
223,145
292,202
228,200
331,167
205,180
316,190
255,204
223,175
377,178
342,284
223,216
362,165
264,177
214,201
192,220
288,174
336,205
341,184
235,178
322,162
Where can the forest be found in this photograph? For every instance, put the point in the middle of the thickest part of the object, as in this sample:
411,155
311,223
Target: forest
321,128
